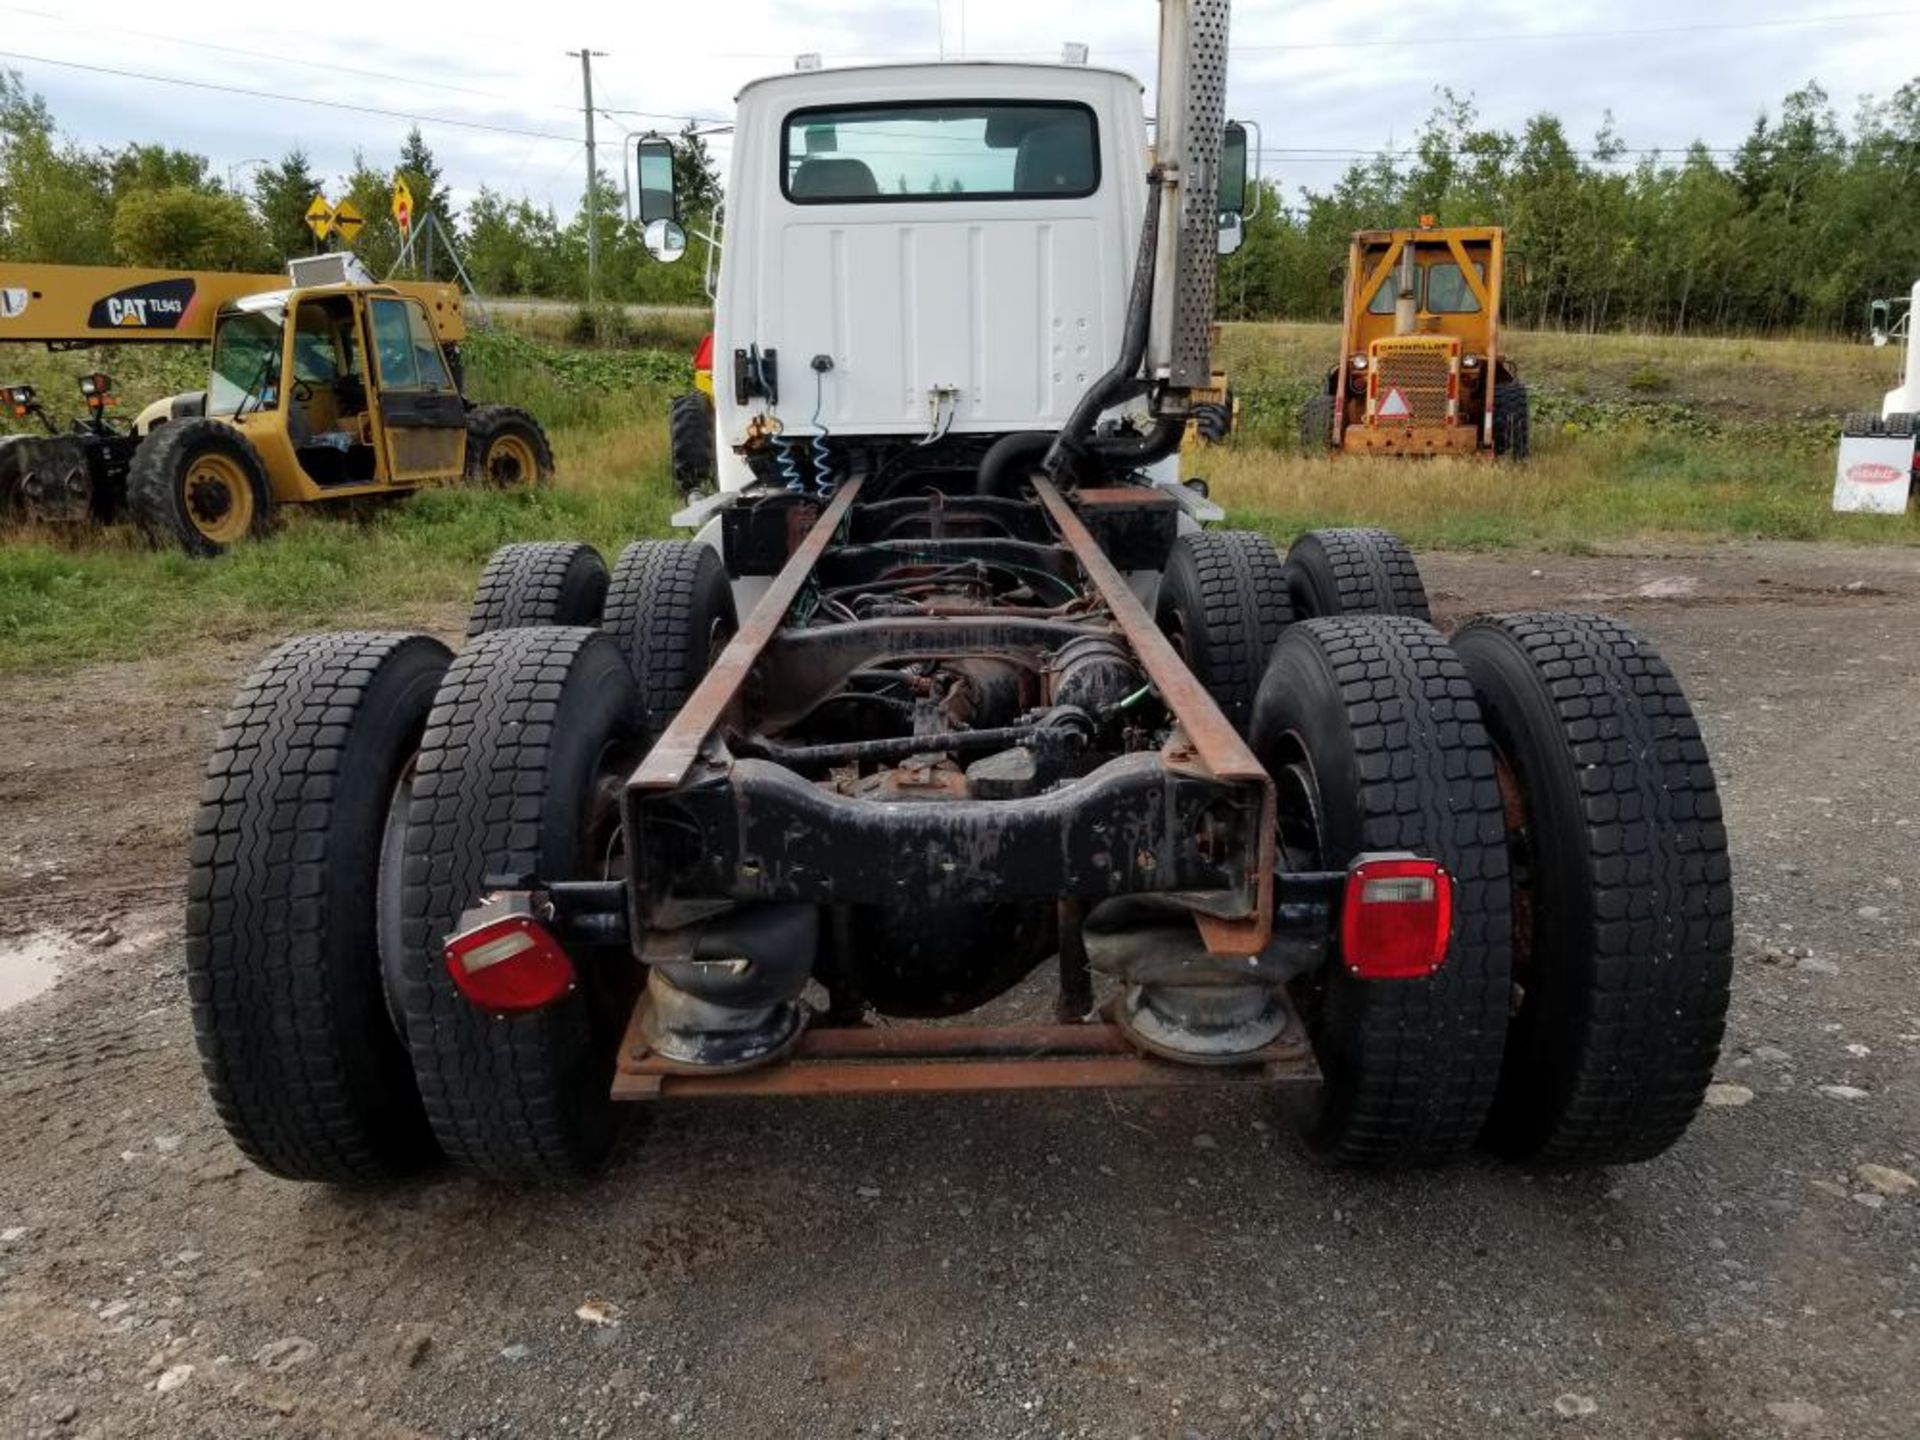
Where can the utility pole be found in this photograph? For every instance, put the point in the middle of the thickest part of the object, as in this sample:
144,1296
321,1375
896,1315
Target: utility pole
593,178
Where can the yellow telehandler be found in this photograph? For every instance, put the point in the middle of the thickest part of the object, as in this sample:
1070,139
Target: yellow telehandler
323,385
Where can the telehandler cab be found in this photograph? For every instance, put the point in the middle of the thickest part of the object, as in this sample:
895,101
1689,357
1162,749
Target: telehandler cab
324,385
952,683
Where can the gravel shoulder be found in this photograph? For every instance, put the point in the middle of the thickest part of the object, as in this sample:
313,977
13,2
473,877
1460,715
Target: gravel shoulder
1044,1266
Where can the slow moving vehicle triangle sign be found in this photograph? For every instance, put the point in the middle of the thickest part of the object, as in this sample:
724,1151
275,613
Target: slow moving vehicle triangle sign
1395,406
402,204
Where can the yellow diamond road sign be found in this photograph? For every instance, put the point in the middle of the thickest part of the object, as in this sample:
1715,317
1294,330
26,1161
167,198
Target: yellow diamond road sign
320,217
348,221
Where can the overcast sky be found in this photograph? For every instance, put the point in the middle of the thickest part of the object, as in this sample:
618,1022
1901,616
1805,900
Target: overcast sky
1318,75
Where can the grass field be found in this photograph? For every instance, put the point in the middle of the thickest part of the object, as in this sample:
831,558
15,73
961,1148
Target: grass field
1636,439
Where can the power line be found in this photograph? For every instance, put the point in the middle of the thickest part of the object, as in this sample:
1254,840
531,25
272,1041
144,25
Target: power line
664,115
1342,156
1422,41
1633,33
290,99
411,81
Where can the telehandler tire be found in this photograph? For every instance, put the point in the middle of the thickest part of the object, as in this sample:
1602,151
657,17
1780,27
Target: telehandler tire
284,967
1316,424
198,484
1213,421
1623,906
519,773
690,442
1512,421
507,449
1355,572
539,582
671,609
1369,729
1224,599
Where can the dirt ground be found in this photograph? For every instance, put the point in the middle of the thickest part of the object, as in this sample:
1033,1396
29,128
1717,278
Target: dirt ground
1074,1265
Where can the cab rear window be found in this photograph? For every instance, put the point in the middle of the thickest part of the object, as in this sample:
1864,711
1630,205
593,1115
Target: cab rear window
985,150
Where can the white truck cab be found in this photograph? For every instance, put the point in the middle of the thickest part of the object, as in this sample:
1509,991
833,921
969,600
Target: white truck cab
922,261
1903,399
919,251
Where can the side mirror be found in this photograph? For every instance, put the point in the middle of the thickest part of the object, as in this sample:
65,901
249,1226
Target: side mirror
653,167
1233,169
1879,321
665,241
1233,232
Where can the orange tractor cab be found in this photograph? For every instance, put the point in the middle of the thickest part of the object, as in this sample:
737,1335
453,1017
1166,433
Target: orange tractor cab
1420,370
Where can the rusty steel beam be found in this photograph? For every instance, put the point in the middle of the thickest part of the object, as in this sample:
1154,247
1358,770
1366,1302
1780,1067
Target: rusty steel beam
667,763
954,1077
1030,1042
953,1059
1210,736
1215,742
968,1068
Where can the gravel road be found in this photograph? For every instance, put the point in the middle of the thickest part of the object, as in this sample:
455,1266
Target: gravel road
1068,1265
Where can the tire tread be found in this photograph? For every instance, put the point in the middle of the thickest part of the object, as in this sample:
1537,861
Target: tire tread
278,1028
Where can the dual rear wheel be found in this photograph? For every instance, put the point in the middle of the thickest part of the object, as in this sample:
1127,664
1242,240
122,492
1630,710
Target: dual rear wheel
1551,762
363,791
365,788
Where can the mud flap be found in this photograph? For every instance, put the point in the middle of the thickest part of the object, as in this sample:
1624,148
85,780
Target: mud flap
1874,474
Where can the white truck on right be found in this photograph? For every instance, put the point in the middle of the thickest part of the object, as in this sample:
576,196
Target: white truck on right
1876,469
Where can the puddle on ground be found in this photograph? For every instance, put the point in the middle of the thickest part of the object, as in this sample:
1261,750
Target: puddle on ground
28,967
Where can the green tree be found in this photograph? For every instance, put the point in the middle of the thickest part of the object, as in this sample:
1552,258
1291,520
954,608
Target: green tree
179,226
55,201
156,167
422,170
694,176
281,195
371,192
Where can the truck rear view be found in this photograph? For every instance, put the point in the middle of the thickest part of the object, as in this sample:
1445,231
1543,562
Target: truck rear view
955,700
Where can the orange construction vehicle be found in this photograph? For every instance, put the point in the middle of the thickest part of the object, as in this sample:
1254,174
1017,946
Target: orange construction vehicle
1420,370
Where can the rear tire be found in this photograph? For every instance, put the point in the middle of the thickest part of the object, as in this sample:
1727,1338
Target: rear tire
670,607
690,442
507,449
519,774
290,1011
1623,901
542,582
1355,572
1369,728
1316,424
1512,420
199,484
1223,601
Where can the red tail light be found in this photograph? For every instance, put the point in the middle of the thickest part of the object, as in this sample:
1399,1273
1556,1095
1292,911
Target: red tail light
703,354
1396,917
509,965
